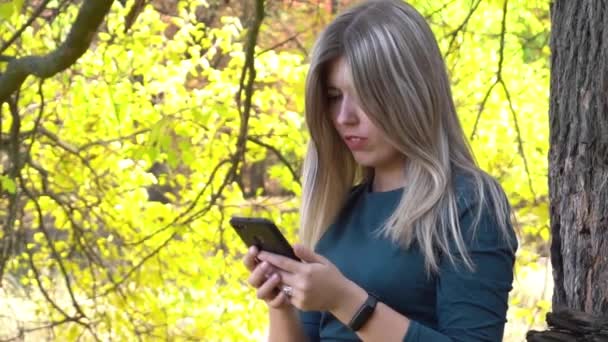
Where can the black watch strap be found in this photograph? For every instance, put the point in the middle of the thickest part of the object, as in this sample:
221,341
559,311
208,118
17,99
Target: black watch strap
364,313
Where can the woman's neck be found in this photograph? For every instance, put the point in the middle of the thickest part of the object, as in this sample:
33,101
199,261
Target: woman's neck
387,179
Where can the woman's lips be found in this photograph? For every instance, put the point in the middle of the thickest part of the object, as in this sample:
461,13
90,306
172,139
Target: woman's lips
355,143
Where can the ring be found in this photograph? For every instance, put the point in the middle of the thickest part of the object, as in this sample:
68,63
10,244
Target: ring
288,290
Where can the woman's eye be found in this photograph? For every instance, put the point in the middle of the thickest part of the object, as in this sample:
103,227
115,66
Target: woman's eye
333,97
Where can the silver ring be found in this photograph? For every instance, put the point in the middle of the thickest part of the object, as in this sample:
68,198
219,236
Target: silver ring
288,290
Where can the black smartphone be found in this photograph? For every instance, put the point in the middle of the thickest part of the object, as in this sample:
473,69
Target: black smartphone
263,234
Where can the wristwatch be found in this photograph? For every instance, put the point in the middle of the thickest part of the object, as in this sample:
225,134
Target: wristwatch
364,313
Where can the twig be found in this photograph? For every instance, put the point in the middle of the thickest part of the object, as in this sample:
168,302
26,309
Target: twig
499,80
15,170
438,10
461,27
520,144
190,207
54,253
37,122
501,57
279,44
279,155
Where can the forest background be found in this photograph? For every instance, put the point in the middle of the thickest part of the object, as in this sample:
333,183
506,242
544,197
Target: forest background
119,174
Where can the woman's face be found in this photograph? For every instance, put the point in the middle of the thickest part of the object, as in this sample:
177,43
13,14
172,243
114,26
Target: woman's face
367,143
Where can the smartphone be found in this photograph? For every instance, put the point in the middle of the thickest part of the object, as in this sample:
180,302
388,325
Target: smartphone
263,234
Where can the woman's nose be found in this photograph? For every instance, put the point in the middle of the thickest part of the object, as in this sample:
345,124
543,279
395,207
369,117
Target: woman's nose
347,114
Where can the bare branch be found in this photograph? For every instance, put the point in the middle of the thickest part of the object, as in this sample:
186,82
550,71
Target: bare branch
461,27
190,207
279,155
482,106
38,118
45,294
520,144
49,325
92,13
13,204
279,44
139,264
72,150
54,253
499,80
501,52
439,10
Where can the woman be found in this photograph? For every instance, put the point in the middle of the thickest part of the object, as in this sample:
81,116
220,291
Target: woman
411,240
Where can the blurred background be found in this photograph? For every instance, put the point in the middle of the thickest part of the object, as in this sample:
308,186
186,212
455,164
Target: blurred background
119,174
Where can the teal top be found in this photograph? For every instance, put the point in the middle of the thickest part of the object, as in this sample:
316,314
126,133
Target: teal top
453,305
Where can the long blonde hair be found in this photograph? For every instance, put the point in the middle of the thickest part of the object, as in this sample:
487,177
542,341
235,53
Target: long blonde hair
399,75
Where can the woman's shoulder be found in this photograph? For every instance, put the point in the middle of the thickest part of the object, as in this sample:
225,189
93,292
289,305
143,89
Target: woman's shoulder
483,208
475,188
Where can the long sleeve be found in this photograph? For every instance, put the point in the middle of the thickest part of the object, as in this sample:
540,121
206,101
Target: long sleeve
472,305
310,321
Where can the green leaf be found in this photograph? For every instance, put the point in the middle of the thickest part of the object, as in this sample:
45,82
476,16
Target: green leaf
8,184
9,7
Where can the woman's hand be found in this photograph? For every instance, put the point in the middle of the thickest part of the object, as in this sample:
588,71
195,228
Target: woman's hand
316,282
265,278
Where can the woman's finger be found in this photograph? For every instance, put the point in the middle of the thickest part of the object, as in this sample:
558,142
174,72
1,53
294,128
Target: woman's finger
250,259
260,274
286,277
279,300
268,289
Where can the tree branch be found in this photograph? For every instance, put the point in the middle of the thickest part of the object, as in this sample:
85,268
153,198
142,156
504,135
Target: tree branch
279,44
190,207
520,144
248,75
279,155
499,80
54,253
90,16
8,239
501,53
461,27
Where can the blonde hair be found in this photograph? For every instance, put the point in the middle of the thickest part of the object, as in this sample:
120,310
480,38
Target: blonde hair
398,72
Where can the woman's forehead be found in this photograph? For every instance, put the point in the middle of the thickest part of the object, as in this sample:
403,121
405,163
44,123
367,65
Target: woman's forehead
338,74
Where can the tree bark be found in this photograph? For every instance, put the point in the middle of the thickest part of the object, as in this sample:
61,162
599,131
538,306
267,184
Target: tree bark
578,156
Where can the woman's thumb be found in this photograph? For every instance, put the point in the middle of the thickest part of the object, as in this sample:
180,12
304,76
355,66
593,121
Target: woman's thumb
308,255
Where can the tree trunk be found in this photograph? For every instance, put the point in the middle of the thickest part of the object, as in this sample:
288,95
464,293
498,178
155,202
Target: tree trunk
578,157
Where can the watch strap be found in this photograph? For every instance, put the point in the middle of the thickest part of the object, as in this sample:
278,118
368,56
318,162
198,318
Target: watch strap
364,312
